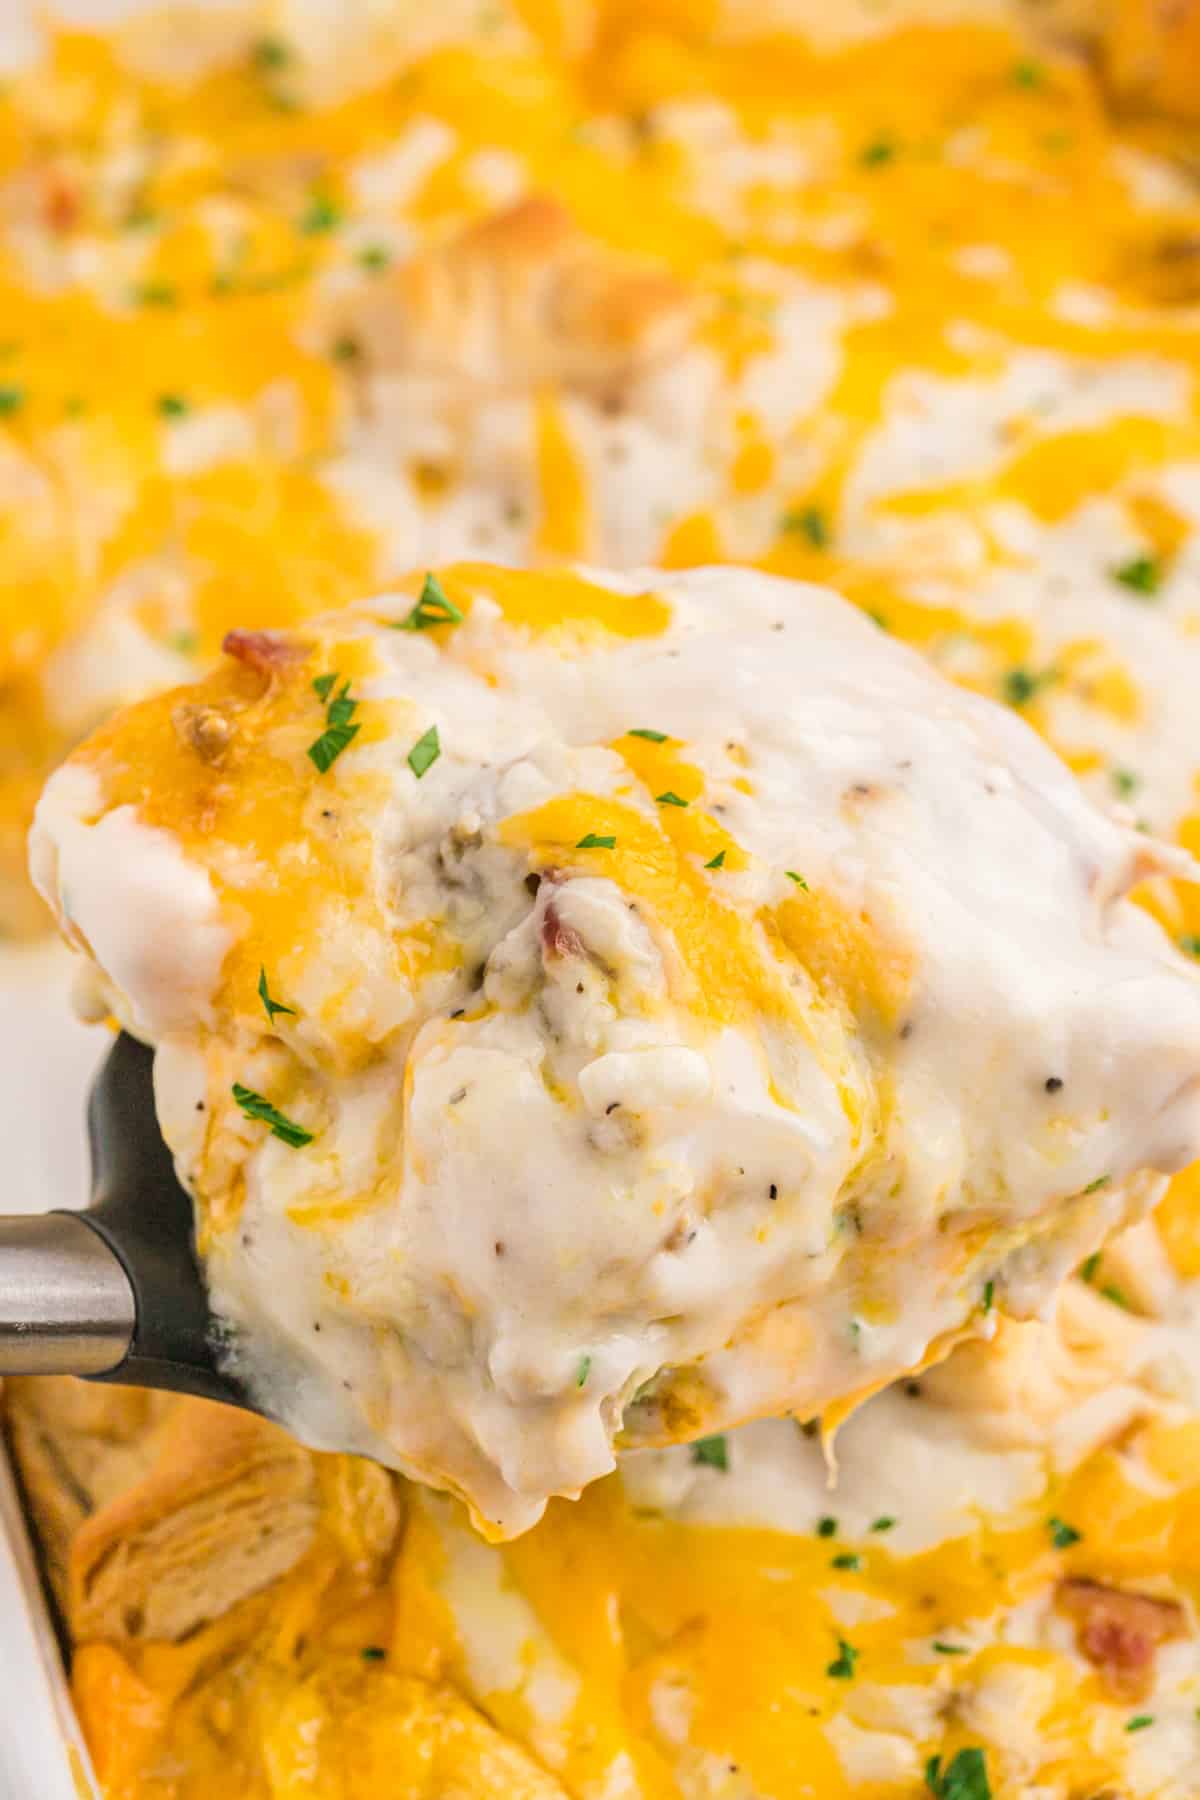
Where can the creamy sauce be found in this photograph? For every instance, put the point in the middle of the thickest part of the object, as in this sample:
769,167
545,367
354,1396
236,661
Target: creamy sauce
940,352
811,1047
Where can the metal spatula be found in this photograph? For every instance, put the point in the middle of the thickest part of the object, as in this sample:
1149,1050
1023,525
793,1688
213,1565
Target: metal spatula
114,1293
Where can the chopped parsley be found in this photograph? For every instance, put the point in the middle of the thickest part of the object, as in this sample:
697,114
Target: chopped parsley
256,1107
1110,1291
269,53
809,522
424,752
1140,1721
12,399
345,349
173,406
847,1560
1093,1187
374,257
583,1371
1124,781
338,732
884,1523
1087,1268
319,216
272,1006
434,607
965,1778
944,1649
1062,1535
1020,684
154,293
1028,74
592,842
669,799
1191,943
718,861
827,1527
989,1295
798,879
877,153
712,1453
373,1653
651,737
842,1666
1141,575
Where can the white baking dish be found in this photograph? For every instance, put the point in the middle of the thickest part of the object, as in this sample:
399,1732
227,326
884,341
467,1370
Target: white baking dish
41,1751
46,1062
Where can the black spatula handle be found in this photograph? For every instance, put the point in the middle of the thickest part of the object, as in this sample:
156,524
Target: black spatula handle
114,1293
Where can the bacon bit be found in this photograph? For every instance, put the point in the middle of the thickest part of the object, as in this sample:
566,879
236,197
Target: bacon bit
61,204
205,729
559,939
1119,1632
266,651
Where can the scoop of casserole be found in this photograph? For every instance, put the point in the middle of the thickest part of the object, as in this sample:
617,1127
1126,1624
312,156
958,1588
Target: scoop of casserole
596,1009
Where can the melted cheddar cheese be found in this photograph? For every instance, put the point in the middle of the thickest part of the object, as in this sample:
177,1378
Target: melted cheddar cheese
935,300
560,989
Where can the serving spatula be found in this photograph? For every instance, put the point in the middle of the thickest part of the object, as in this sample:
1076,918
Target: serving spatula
114,1293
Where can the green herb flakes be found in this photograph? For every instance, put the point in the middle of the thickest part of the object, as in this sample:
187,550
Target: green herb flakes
583,1371
373,1653
319,216
1101,1181
651,737
1140,1721
798,879
809,522
273,1006
1125,783
1028,74
424,752
878,153
718,861
941,1648
842,1666
154,293
1062,1535
1142,575
12,399
884,1523
989,1295
669,799
329,746
827,1527
1020,685
256,1107
592,842
173,406
712,1453
338,732
964,1778
434,607
374,258
1190,943
269,54
847,1560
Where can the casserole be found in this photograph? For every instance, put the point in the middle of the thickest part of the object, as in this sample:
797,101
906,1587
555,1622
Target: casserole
926,336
